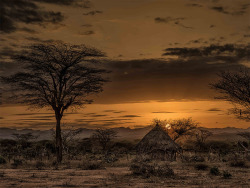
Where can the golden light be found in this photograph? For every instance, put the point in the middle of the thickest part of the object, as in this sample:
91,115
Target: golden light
168,126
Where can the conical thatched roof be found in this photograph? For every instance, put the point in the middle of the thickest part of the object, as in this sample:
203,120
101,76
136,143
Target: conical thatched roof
156,139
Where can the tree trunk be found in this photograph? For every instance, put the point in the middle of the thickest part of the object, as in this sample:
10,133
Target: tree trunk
58,139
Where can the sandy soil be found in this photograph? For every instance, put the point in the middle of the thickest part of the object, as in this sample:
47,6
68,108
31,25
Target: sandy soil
185,176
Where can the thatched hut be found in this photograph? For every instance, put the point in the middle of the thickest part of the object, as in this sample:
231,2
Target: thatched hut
158,145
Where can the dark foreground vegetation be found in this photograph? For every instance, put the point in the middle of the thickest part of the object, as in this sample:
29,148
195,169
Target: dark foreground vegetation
87,162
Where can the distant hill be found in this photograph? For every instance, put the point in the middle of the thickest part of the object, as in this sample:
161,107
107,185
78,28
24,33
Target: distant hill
228,133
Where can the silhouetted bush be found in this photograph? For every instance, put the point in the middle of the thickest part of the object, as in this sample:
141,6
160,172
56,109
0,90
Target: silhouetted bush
226,175
215,171
147,170
55,165
2,160
238,163
220,146
91,165
16,163
201,166
40,165
197,159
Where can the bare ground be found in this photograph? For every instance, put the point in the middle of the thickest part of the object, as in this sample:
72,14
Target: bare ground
185,176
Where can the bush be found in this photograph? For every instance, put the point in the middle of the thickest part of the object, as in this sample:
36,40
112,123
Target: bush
241,164
164,171
2,160
197,159
91,165
16,163
226,175
194,158
2,174
40,165
201,166
147,170
215,171
55,165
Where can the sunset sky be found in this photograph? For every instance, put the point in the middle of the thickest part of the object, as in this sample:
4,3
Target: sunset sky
162,53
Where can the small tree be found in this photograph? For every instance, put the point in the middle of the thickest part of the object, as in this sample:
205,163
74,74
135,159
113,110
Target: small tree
180,127
104,137
235,88
69,137
201,136
58,76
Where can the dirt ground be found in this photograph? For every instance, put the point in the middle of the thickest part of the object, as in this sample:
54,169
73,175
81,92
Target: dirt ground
185,176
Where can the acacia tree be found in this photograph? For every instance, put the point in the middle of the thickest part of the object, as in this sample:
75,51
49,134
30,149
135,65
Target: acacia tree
58,76
180,127
104,137
201,136
235,88
177,127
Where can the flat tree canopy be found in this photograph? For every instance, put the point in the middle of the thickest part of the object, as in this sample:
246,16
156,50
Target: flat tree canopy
235,88
58,76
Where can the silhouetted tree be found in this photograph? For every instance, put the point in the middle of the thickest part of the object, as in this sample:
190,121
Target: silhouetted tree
200,137
104,137
69,137
235,87
179,127
58,76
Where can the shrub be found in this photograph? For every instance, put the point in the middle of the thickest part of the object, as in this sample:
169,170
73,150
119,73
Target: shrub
40,165
197,159
201,166
194,158
91,165
241,164
164,171
215,171
141,169
55,165
2,160
2,174
16,163
147,170
226,175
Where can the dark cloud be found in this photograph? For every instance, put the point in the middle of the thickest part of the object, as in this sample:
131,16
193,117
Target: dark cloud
36,39
79,3
13,12
162,112
194,5
219,51
233,11
172,21
118,112
214,110
92,13
212,26
86,25
184,74
98,115
87,33
130,116
108,110
28,30
196,41
36,119
6,52
220,9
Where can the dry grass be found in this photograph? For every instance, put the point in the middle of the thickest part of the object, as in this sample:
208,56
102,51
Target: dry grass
119,174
